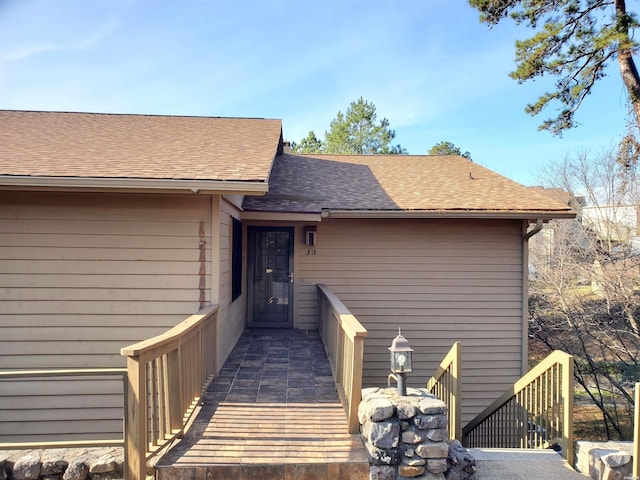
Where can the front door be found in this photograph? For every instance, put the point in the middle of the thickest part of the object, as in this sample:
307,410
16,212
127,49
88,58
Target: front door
270,277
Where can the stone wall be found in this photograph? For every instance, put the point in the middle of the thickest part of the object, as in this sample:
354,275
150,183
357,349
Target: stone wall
604,460
407,437
62,464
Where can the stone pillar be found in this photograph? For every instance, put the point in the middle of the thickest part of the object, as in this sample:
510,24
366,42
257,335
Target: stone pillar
407,437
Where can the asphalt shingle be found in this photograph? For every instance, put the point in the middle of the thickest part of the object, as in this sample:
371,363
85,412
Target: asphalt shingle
311,183
91,145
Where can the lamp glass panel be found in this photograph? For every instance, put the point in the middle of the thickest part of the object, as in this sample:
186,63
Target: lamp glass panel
401,362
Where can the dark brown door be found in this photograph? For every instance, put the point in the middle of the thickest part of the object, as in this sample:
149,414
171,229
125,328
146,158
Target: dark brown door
270,277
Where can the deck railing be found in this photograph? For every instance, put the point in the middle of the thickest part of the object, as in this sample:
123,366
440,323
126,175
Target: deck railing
446,384
117,374
167,374
343,338
537,412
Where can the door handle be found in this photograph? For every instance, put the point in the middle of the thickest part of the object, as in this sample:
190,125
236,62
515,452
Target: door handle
291,277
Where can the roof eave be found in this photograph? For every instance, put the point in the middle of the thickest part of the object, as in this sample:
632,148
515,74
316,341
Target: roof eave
94,184
487,214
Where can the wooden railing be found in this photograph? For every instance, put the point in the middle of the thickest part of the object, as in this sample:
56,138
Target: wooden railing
343,338
536,413
446,384
167,375
82,373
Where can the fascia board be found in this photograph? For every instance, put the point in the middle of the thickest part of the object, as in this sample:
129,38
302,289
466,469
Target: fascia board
507,215
132,184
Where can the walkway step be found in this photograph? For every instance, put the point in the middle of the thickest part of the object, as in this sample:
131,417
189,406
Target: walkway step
522,464
292,471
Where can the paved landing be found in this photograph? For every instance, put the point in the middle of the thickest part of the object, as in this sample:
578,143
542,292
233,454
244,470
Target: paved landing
273,412
516,464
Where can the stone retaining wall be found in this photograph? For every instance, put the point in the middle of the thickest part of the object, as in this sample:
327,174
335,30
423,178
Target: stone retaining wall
407,437
62,464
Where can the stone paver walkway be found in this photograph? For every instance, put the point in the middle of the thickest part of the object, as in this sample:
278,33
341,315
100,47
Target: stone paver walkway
273,412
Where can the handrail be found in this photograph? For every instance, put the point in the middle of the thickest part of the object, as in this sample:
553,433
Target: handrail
72,372
167,375
343,338
535,413
446,384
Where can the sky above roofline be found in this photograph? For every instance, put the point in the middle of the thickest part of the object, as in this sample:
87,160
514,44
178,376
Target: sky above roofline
429,67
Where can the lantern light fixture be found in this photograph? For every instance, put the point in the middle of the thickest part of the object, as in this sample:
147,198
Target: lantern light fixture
310,235
401,361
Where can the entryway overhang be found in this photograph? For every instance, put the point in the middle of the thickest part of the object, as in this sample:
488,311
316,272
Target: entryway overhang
281,216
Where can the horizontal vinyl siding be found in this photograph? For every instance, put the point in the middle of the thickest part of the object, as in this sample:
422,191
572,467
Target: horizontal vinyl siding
440,280
81,276
54,409
232,315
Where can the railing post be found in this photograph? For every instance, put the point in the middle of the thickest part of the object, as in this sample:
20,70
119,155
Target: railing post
456,414
446,384
175,407
136,431
568,392
636,434
356,385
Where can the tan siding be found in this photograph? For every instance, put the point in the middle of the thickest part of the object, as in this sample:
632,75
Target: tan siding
440,280
76,412
232,315
72,320
81,276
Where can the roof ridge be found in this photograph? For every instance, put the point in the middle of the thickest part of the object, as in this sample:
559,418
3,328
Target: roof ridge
120,114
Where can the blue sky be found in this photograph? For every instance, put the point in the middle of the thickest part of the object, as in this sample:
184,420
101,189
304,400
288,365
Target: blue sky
429,66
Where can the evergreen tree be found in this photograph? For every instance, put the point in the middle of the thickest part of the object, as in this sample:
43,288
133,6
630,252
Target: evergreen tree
309,144
356,132
574,41
448,148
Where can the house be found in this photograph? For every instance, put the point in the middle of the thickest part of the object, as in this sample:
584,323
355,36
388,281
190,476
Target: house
608,234
114,228
617,223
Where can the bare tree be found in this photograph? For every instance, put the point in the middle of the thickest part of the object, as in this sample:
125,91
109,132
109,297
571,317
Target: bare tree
584,290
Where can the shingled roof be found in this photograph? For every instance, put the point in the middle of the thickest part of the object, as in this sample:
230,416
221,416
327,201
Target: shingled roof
434,185
90,150
151,147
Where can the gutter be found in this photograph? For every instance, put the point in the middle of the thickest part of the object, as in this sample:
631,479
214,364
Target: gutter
507,215
534,230
132,184
524,359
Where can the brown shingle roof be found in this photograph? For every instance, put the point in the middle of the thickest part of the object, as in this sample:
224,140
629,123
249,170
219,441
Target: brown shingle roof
439,183
90,145
561,195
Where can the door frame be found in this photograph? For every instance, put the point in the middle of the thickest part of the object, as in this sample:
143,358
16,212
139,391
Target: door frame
251,251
